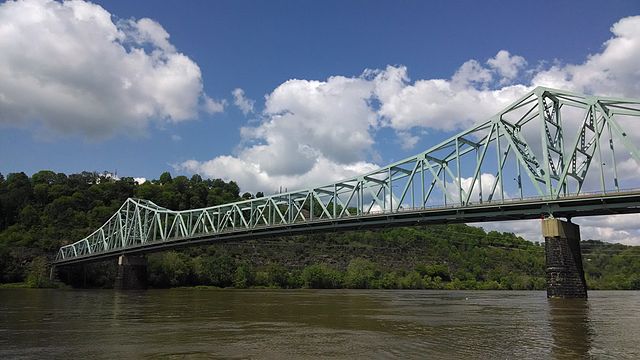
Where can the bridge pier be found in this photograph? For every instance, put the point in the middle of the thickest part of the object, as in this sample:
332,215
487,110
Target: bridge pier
53,273
132,273
563,259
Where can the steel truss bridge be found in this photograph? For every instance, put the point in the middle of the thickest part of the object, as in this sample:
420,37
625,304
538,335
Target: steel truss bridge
550,153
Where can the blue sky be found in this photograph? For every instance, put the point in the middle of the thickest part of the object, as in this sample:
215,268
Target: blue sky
73,109
257,45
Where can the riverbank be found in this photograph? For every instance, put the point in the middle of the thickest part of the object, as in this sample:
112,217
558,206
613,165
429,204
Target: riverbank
26,285
20,285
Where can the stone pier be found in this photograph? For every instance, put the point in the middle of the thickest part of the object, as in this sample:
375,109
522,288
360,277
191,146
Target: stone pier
132,273
565,275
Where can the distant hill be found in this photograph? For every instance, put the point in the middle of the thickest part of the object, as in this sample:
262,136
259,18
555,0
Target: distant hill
38,214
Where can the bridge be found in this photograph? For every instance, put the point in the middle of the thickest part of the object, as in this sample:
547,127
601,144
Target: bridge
550,154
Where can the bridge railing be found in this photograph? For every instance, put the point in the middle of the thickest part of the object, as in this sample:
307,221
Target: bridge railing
550,144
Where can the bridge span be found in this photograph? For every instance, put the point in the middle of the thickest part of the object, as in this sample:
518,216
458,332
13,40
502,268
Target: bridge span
551,154
586,205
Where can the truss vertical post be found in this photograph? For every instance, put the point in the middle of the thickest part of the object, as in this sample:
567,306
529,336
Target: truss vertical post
613,158
479,164
544,143
335,200
413,197
444,184
458,171
499,155
361,195
311,205
598,146
390,191
423,198
519,180
560,145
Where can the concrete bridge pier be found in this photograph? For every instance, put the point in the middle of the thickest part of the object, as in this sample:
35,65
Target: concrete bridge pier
53,273
132,273
563,259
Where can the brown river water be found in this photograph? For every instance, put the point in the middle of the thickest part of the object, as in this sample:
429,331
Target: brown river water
300,324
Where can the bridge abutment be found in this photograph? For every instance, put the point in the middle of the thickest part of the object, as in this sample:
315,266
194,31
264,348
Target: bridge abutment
563,259
132,273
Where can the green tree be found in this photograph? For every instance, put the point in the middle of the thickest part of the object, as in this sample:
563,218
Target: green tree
247,196
169,269
38,276
244,276
412,280
277,275
165,178
321,276
361,274
216,270
390,280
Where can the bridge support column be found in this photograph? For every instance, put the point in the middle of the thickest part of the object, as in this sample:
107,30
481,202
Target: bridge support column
563,257
53,273
132,273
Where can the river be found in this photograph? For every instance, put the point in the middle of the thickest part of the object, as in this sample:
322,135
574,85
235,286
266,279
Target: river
286,324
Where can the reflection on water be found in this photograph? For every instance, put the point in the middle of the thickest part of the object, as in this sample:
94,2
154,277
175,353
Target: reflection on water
316,323
570,327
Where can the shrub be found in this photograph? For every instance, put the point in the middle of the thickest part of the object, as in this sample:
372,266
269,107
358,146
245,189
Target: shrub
38,275
321,276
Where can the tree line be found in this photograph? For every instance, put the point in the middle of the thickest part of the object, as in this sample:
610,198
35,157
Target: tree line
38,214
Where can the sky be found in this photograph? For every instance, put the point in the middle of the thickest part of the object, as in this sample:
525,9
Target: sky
290,93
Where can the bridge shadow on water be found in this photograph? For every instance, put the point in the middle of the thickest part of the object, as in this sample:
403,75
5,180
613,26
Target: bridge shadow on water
571,330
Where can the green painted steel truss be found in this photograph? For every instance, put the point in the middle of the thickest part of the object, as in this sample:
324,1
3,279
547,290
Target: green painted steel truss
550,144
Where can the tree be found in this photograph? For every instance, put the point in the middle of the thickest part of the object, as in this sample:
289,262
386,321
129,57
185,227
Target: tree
165,178
38,276
277,275
244,276
434,270
181,184
412,280
247,196
218,271
169,269
321,276
44,177
18,193
390,280
361,274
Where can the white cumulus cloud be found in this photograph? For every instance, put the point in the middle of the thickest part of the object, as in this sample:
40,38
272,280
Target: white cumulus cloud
252,177
311,132
484,182
242,102
507,65
69,67
615,71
